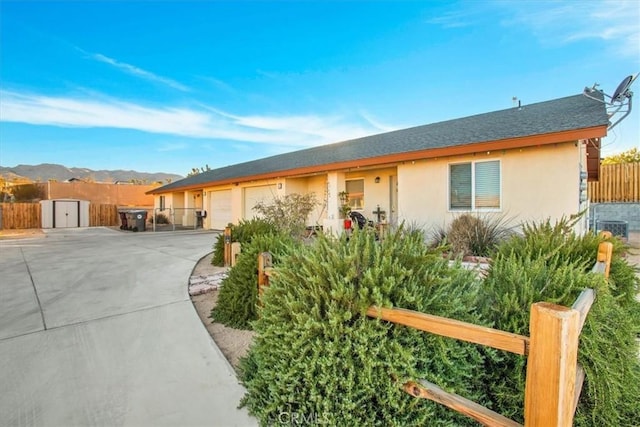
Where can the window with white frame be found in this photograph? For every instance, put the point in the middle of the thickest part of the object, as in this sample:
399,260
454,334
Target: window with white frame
355,188
162,203
474,186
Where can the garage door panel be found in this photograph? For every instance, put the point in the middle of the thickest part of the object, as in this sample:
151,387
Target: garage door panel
220,211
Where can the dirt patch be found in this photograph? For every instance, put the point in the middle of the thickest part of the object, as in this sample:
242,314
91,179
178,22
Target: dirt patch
234,343
21,234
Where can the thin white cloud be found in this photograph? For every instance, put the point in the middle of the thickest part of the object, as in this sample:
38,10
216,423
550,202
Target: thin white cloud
172,146
613,21
139,72
220,85
453,19
209,123
375,123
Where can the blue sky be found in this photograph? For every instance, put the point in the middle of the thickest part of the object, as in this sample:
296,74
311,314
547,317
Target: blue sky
160,86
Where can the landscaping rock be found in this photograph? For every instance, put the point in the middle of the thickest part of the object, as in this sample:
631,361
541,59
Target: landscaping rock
203,284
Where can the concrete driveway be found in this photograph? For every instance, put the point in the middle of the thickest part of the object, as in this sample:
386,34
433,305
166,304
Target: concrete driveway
97,329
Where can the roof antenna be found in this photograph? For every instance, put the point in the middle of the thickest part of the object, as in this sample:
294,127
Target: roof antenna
514,100
620,101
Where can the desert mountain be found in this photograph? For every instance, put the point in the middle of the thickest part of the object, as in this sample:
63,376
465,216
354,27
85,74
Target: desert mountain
46,171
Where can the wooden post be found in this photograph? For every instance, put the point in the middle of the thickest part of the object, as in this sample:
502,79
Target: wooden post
227,246
551,366
236,248
265,262
605,253
606,235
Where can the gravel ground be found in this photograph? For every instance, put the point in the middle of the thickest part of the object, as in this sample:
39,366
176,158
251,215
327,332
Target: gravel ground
234,343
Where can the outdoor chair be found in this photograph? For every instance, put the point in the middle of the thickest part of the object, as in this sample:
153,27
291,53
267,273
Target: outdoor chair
359,219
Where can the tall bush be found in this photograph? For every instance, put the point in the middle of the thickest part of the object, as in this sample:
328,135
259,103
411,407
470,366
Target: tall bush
317,356
550,263
237,299
288,214
472,234
557,239
242,232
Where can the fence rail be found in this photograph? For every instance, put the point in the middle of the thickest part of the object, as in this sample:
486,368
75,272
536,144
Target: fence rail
617,183
20,215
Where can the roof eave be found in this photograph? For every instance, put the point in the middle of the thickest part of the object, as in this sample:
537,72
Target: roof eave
457,150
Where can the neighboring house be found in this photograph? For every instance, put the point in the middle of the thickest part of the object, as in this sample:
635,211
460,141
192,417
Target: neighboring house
527,163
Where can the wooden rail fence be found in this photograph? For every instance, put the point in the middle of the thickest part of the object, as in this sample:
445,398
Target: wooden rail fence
617,183
554,377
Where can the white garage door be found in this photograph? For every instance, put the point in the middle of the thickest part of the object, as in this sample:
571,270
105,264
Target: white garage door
66,214
253,195
220,211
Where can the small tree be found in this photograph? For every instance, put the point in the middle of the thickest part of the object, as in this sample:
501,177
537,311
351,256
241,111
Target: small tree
197,171
289,213
630,156
27,192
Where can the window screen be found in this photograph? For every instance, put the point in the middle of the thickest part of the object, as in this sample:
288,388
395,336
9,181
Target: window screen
460,186
355,188
474,186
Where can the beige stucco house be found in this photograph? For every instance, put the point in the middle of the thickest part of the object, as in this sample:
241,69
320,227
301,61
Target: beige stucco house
529,163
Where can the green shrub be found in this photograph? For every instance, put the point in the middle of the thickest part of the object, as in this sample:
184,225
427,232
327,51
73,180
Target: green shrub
550,263
27,192
288,214
316,354
160,219
557,239
243,232
237,299
474,234
218,251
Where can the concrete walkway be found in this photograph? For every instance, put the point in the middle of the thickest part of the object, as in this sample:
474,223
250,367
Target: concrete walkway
97,329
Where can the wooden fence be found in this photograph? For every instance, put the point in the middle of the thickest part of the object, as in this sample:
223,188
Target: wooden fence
617,183
103,215
20,215
554,377
15,216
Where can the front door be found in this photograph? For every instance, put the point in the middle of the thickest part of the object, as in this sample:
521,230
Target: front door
393,200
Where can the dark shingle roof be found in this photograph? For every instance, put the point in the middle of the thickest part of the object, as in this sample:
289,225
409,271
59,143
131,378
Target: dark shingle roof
564,114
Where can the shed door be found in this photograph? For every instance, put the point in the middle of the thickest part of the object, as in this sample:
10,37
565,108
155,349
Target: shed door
220,211
66,214
253,195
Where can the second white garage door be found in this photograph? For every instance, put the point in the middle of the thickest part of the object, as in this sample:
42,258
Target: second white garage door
253,195
220,211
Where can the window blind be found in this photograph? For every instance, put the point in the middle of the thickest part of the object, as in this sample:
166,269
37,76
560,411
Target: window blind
487,184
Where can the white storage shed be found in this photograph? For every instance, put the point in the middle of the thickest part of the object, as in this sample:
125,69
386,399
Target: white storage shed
65,213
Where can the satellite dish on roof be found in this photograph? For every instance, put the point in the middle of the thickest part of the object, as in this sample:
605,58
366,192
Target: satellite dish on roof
622,90
620,101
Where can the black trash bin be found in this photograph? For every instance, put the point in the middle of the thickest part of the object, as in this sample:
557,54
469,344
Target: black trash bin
139,220
200,215
124,222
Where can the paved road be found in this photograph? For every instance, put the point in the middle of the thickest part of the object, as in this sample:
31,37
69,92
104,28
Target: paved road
97,329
